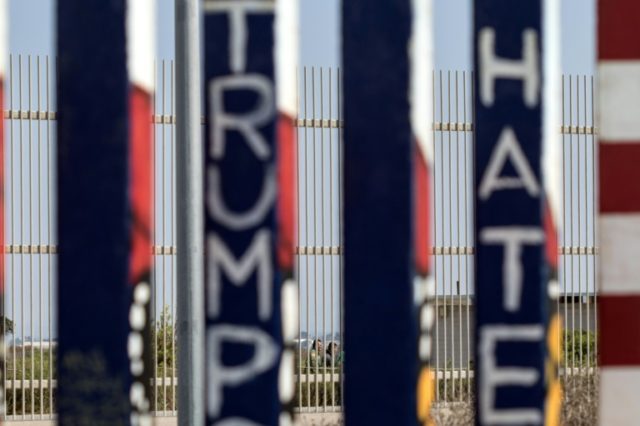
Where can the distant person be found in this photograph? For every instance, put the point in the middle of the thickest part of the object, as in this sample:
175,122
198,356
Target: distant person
317,353
332,354
317,346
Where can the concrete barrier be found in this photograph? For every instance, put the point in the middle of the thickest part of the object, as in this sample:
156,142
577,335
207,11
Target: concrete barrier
306,419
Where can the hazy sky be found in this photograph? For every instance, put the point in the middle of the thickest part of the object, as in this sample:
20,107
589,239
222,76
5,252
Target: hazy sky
32,30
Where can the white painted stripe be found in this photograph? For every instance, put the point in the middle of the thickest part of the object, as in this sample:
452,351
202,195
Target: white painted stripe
141,18
289,308
620,253
552,166
619,391
619,106
4,37
421,91
287,35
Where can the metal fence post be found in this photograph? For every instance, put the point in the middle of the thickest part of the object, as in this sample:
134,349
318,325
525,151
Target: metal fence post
377,210
189,242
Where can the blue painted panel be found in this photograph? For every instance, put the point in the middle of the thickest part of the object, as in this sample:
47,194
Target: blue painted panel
93,221
380,319
238,337
510,333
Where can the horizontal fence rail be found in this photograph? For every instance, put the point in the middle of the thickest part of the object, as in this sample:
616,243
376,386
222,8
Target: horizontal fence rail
29,310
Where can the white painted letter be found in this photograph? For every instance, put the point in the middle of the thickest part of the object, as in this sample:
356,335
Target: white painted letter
238,38
265,355
257,257
247,123
239,221
493,376
508,148
513,238
239,35
492,67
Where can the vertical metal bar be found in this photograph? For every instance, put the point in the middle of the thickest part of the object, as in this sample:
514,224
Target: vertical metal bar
560,242
8,181
84,162
444,281
21,242
315,234
306,236
435,236
505,112
466,234
579,224
156,260
340,178
450,300
50,151
572,297
298,242
472,237
172,205
40,254
323,358
331,244
189,183
442,241
564,236
13,237
163,319
459,244
594,188
366,123
586,224
31,240
3,311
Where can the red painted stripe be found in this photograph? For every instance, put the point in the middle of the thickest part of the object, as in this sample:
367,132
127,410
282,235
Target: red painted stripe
619,333
140,184
551,245
619,177
618,23
286,192
422,213
2,203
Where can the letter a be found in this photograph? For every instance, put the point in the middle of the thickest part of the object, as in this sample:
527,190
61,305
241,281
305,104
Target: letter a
508,147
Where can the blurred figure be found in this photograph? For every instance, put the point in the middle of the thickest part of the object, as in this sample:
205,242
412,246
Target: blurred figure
333,356
317,346
317,353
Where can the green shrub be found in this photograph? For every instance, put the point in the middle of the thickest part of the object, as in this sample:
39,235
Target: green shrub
578,349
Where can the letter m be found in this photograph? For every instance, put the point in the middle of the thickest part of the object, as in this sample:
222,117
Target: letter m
256,258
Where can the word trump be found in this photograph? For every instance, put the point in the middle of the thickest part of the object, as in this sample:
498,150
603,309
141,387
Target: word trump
243,339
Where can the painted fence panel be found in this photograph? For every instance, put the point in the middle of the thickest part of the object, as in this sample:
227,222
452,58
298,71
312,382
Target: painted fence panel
243,281
619,210
511,266
93,220
378,215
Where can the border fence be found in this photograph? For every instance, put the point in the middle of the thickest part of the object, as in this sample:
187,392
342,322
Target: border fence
29,317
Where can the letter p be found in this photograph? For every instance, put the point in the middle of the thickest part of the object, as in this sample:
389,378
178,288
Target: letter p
220,376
